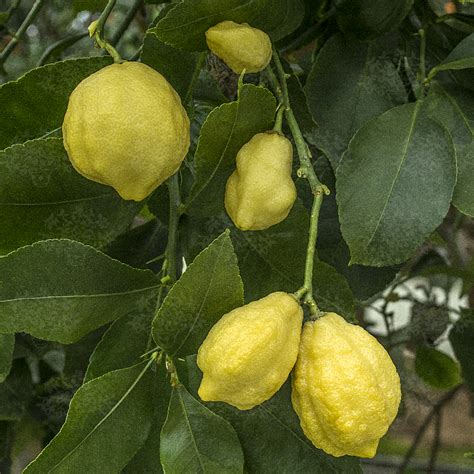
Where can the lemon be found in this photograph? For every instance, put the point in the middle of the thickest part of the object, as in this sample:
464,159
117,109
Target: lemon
249,353
346,390
125,127
260,192
240,46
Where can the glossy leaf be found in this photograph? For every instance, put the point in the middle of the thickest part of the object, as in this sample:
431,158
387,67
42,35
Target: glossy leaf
35,104
461,337
274,259
7,344
210,287
350,83
272,438
389,199
42,196
367,19
461,57
124,341
108,421
454,107
436,368
176,65
194,439
226,129
147,459
60,290
184,26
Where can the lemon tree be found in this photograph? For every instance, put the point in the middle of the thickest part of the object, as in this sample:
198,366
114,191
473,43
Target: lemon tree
213,215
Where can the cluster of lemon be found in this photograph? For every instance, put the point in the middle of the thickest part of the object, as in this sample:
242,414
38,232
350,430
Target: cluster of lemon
346,390
125,127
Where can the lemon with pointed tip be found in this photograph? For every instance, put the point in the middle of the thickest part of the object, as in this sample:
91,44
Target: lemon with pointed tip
346,390
260,192
249,353
125,127
240,46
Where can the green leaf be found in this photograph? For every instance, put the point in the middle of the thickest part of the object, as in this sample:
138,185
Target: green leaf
389,200
454,108
194,439
367,19
35,104
436,368
226,129
461,57
42,196
124,341
350,83
184,26
274,259
60,290
461,337
271,429
7,344
108,421
147,459
176,65
209,288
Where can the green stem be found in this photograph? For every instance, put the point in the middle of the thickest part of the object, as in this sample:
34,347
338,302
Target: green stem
306,170
421,75
96,31
21,30
175,206
115,38
279,118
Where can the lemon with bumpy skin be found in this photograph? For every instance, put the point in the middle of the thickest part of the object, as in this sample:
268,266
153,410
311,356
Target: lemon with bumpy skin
260,192
125,127
249,352
346,390
240,46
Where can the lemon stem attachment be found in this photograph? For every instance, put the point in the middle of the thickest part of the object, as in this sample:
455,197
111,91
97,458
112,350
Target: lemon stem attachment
279,118
96,31
306,170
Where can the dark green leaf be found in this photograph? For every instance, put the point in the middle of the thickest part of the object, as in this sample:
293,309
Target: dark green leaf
176,65
226,129
60,290
124,342
184,26
349,83
274,259
461,57
367,19
42,196
147,459
272,439
108,421
35,104
461,338
7,344
194,439
210,287
454,107
389,199
436,368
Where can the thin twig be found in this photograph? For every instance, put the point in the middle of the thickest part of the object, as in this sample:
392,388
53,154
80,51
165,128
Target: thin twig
436,441
122,28
12,44
424,426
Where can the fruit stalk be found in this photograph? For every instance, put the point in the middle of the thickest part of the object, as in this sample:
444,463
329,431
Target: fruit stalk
305,170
